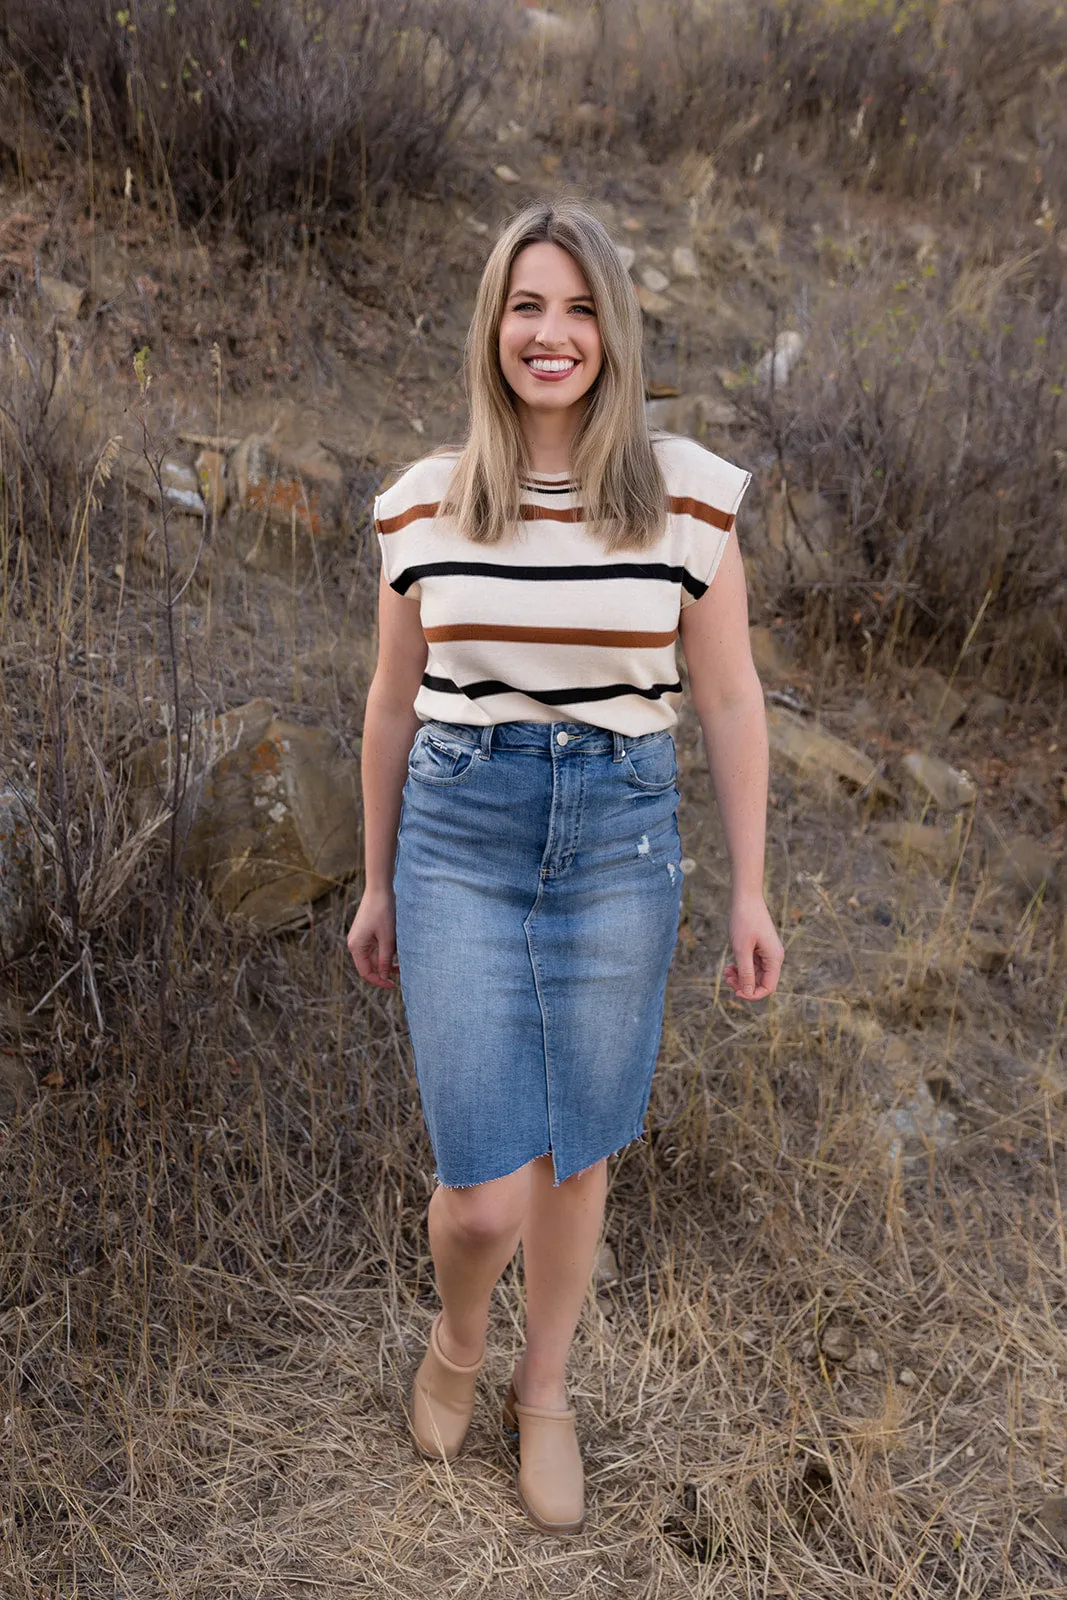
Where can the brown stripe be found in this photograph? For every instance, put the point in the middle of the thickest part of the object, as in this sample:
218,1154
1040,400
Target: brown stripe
413,514
606,636
686,506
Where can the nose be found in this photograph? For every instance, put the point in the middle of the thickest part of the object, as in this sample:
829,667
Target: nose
551,332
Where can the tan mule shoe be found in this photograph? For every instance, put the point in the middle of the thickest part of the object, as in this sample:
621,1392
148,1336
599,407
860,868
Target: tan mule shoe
442,1400
551,1481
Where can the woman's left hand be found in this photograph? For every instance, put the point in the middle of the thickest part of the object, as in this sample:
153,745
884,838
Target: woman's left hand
758,954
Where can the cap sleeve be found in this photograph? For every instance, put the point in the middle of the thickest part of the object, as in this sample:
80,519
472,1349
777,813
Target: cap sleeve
709,511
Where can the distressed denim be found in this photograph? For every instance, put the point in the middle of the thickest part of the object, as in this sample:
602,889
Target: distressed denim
538,888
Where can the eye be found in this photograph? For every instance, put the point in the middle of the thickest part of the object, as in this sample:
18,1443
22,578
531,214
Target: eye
587,311
526,305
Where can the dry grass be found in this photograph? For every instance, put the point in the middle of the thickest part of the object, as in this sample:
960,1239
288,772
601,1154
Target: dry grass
214,1277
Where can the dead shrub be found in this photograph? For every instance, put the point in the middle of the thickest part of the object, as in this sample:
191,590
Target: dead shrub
225,114
929,411
947,102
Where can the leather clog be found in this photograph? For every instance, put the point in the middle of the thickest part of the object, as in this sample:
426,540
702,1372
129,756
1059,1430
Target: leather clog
442,1400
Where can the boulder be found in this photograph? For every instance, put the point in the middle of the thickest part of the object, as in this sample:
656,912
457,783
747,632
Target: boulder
690,414
989,711
178,481
684,262
65,299
1027,867
819,754
211,476
768,655
938,847
936,701
627,255
289,499
947,787
20,909
506,174
272,813
654,279
651,303
803,526
776,366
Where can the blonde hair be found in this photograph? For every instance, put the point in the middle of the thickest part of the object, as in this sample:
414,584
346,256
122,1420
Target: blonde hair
623,493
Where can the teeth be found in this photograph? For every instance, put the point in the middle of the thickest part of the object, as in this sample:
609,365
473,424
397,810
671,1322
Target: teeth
544,365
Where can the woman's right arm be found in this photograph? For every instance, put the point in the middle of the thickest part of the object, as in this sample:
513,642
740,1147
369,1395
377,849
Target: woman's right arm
389,728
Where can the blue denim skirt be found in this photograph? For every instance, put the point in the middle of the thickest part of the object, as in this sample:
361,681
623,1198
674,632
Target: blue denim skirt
538,887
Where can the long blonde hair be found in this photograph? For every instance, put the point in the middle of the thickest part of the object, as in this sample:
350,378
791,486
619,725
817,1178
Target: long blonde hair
623,492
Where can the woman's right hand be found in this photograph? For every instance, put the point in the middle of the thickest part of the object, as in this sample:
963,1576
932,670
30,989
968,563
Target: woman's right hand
372,938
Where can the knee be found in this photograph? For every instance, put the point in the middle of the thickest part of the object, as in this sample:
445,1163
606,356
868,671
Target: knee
480,1216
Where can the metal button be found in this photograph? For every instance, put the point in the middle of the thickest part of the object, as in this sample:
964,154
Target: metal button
563,738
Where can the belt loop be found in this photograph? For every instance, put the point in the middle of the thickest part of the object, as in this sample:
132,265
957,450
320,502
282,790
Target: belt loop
487,742
618,747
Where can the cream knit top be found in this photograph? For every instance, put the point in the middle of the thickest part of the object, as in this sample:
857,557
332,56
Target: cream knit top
546,626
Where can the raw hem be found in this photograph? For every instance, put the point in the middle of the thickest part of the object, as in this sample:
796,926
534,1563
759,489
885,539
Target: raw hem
634,1138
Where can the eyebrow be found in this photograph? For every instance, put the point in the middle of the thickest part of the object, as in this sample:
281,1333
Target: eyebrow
532,294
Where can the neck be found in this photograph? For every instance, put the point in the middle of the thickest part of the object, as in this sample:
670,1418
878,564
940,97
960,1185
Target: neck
549,436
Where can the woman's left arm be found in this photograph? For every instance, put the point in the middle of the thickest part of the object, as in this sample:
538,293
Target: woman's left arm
729,702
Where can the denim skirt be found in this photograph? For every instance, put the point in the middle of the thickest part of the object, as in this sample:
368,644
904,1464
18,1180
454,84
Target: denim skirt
538,886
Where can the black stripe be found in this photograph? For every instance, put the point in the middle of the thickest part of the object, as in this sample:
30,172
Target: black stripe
534,488
548,697
570,574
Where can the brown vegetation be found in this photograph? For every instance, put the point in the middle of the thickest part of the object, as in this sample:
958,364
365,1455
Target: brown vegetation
832,1360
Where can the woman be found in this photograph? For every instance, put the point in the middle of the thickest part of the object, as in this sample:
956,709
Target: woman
522,855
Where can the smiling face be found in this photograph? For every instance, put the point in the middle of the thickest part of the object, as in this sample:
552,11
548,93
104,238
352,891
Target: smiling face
550,350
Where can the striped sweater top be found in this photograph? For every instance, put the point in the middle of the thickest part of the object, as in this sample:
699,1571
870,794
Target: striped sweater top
546,626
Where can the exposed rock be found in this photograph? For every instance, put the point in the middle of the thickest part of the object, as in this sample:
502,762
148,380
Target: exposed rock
65,299
690,414
211,476
654,279
606,1267
937,846
290,497
178,481
684,262
819,754
506,174
937,701
912,1130
627,255
865,1358
989,711
20,912
948,787
906,1378
654,305
769,657
272,813
190,554
803,526
836,1341
1025,866
777,365
633,224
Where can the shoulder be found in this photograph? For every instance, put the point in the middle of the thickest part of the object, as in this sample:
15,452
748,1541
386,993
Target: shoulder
423,484
697,475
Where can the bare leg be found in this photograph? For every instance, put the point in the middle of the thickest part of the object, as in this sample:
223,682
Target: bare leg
473,1235
559,1242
